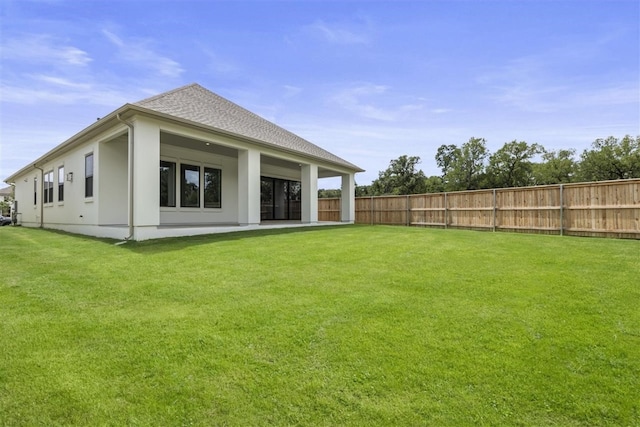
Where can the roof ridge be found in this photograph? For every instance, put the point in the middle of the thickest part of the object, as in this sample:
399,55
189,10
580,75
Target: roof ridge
169,92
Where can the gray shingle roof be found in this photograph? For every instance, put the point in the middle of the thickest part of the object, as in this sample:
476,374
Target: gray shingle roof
201,106
7,191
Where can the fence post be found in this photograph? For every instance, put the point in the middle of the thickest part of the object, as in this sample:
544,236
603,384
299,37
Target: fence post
494,209
446,214
371,207
408,212
561,210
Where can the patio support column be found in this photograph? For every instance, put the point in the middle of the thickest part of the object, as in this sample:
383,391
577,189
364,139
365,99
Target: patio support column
146,175
348,201
309,193
248,187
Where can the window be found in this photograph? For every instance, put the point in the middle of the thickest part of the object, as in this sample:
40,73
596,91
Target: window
190,186
212,188
167,184
61,183
48,187
88,175
35,190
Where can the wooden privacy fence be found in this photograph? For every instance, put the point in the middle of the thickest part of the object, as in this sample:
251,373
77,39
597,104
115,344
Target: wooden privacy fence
607,209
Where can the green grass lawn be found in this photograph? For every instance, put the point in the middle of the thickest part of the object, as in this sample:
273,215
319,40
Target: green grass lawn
331,326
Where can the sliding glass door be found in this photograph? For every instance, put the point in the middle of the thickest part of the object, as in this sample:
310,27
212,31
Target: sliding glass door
279,199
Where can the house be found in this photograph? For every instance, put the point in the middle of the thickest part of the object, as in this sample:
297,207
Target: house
184,162
6,197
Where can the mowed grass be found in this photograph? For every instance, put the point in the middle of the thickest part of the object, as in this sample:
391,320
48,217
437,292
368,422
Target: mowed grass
331,326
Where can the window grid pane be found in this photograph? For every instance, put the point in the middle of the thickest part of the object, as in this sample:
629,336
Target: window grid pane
190,186
88,175
212,188
61,183
167,184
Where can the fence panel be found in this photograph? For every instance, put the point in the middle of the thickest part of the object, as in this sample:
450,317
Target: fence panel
329,209
470,209
390,210
608,209
427,209
529,209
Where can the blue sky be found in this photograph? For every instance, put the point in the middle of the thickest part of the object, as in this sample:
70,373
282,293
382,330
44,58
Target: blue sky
367,80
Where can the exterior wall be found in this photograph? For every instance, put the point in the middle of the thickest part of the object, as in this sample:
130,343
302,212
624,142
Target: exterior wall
280,172
228,213
75,209
347,202
309,193
146,176
112,190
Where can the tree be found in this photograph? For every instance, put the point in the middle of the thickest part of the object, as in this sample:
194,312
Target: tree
5,207
446,158
611,159
511,165
463,168
434,184
557,167
329,193
401,177
363,190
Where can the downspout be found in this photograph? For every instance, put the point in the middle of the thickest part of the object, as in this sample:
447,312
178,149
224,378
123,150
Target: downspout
41,195
131,139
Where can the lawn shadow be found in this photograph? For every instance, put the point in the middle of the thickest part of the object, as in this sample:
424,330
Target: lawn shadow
170,244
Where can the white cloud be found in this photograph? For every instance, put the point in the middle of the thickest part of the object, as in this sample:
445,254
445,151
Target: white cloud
58,91
340,33
138,53
43,48
350,99
374,102
291,91
61,82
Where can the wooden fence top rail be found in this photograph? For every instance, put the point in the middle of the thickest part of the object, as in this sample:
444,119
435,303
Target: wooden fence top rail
529,208
490,208
586,208
382,210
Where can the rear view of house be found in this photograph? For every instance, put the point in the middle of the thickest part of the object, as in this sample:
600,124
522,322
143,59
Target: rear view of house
180,163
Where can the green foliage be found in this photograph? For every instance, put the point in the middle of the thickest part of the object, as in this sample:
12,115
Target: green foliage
401,177
511,165
364,190
557,167
329,193
611,159
434,184
345,326
5,207
463,168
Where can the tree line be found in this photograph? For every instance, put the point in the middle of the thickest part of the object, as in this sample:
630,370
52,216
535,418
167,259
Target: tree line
471,166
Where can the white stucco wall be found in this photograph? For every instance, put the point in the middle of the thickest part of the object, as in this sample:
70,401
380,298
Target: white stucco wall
112,189
75,209
228,213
